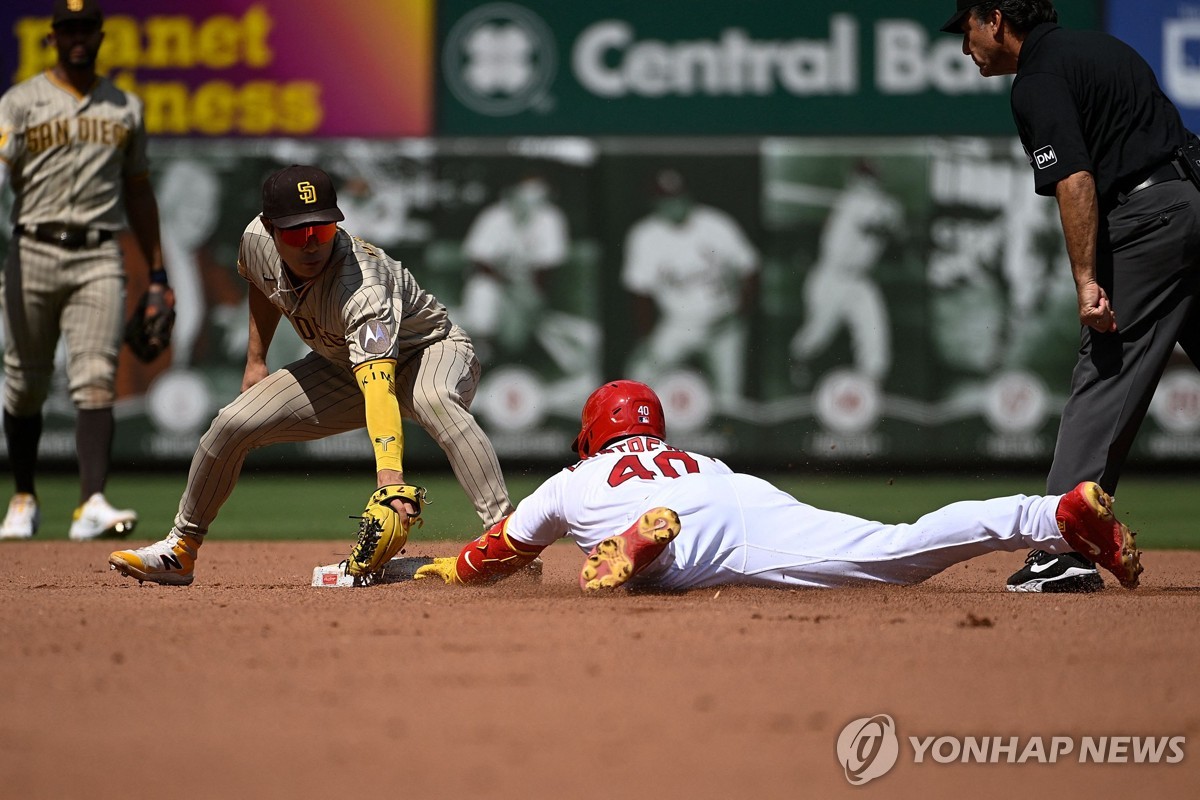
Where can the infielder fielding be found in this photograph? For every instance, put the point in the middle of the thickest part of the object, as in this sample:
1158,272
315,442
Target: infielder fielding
674,519
75,146
382,347
1106,142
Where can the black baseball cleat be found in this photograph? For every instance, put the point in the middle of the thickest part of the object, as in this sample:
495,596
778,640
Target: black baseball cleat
1056,572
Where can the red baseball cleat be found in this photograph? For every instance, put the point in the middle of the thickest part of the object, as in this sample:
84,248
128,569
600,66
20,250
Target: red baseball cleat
1086,520
618,558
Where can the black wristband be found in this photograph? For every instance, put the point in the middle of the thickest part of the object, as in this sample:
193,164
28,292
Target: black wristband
159,276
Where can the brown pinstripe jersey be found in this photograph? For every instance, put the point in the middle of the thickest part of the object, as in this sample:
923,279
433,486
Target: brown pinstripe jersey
362,306
70,155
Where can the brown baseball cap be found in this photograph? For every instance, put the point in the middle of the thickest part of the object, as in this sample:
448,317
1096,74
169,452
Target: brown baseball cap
300,195
962,8
76,11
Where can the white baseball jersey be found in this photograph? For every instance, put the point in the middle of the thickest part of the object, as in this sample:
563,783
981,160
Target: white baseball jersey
70,154
692,269
853,237
363,306
514,246
740,529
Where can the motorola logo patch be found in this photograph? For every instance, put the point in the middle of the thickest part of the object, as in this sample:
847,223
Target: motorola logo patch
373,338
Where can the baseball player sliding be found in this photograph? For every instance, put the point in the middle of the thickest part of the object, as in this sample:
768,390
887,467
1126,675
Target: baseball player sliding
382,347
656,515
75,146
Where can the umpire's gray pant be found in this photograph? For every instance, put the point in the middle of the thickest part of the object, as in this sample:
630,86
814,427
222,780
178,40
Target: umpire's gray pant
1148,260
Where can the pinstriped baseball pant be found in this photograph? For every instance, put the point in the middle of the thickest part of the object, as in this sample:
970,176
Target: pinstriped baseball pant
49,291
313,398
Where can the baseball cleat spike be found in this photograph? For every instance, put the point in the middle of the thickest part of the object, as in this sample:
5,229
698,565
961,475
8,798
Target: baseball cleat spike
170,562
1086,520
618,558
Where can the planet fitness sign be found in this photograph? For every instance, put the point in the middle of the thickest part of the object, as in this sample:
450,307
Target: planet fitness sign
252,67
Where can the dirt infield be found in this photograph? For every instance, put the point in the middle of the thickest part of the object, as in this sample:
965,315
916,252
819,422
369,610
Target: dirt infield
250,683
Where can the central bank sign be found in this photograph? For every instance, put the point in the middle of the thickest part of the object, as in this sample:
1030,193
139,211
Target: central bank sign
714,67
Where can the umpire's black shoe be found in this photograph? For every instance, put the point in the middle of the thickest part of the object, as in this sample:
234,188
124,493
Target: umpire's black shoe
1056,572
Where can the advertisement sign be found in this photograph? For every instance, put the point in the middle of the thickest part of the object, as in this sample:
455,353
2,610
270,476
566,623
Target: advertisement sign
707,67
1167,34
252,67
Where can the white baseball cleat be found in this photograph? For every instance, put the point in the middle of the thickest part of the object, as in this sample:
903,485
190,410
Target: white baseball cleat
96,519
21,521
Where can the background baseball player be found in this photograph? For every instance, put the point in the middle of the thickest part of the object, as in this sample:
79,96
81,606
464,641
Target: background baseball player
382,347
514,245
688,521
694,262
839,290
76,149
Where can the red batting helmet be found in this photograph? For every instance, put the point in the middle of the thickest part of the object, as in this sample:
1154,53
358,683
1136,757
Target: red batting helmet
615,410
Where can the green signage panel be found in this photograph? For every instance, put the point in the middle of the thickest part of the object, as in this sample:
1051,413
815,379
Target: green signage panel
796,301
708,67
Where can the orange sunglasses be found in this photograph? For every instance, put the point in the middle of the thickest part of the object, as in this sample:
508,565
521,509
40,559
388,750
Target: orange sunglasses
298,237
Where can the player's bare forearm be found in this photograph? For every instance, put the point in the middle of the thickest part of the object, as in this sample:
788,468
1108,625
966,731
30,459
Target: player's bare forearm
142,210
264,319
394,477
387,477
1079,210
1080,214
254,373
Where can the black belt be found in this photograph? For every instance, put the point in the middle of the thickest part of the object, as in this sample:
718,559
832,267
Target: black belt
1161,174
71,237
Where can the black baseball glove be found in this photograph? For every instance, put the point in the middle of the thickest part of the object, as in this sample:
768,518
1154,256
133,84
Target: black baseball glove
148,331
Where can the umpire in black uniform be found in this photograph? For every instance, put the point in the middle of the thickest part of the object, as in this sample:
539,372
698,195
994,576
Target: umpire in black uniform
1105,141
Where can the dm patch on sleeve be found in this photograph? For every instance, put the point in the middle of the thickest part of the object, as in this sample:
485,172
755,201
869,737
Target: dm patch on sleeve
1046,157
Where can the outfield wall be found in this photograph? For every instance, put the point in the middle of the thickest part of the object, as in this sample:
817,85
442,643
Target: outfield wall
908,301
903,295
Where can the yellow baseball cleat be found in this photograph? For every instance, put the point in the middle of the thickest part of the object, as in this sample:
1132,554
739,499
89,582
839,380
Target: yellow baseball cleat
618,558
169,562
